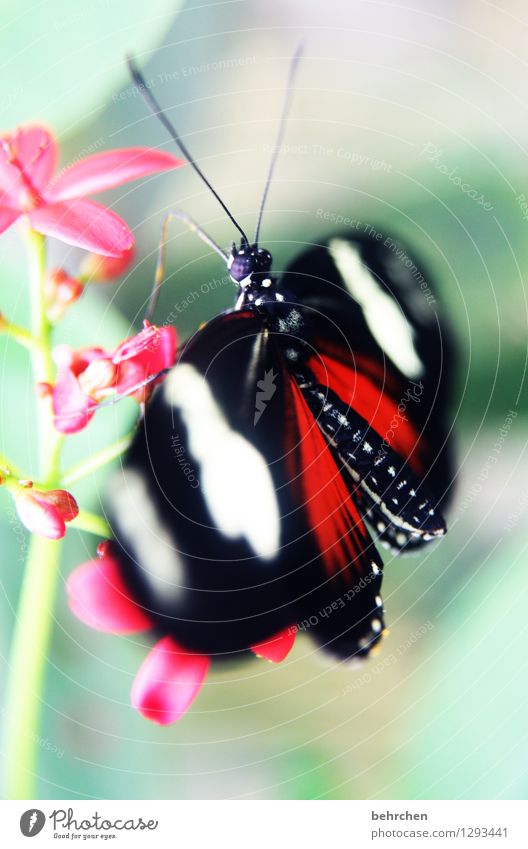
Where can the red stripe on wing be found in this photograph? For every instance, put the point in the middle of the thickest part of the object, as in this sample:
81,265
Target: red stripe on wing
340,536
373,393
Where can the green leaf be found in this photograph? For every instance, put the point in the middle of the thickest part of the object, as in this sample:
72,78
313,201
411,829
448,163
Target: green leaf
468,718
63,61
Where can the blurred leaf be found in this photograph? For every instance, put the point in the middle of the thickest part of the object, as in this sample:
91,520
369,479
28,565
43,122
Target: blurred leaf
468,736
64,60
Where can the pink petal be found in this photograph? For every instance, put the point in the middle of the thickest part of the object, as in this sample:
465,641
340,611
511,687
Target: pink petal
39,516
64,502
145,354
277,647
63,356
99,598
31,150
37,152
109,169
12,184
7,217
76,360
143,341
168,682
85,224
72,408
167,347
131,373
155,356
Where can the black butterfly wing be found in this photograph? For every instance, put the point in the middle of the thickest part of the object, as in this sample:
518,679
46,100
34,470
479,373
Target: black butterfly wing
340,581
200,508
229,512
380,345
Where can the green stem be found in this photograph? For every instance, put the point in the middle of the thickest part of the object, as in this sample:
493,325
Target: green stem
33,627
20,335
40,326
52,476
41,360
27,664
92,523
7,465
97,461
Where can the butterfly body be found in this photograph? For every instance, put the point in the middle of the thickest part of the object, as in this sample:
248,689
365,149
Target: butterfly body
281,410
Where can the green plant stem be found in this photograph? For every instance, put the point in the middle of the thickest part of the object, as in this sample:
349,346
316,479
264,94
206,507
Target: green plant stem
52,475
27,665
35,615
97,461
33,627
92,523
41,360
20,335
40,326
7,465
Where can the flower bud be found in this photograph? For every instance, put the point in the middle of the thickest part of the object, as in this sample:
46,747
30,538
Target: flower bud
61,292
105,269
46,513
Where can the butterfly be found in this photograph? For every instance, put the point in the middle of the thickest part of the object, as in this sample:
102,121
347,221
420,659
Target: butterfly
296,431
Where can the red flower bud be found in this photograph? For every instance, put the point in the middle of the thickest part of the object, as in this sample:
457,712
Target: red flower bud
46,513
61,291
106,269
43,390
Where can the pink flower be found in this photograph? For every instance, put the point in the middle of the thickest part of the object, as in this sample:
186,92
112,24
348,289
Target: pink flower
168,682
149,352
88,376
97,596
46,513
171,676
56,206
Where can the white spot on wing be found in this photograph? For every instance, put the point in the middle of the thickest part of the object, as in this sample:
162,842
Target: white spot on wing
145,532
235,479
382,314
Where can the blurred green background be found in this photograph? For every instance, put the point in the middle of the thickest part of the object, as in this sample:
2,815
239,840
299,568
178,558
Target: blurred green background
441,711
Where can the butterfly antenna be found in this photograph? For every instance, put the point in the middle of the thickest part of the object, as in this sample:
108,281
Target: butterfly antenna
156,110
294,64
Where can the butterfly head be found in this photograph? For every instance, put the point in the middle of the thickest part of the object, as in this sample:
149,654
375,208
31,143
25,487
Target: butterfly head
248,263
